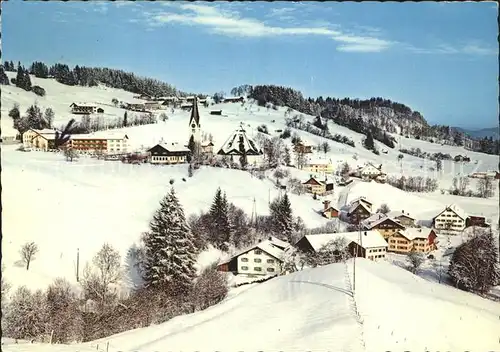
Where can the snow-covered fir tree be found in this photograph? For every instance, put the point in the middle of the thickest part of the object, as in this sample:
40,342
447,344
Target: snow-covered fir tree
220,227
169,252
282,218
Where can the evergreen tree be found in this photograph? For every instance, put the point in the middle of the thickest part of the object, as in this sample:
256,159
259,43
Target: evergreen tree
282,218
35,118
220,228
4,79
125,119
169,252
49,117
368,142
20,77
474,264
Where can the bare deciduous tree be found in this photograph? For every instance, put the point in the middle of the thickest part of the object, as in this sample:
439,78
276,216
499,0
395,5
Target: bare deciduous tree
28,252
415,260
384,209
335,251
485,187
70,154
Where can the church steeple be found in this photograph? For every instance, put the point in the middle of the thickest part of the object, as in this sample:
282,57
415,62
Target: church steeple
194,123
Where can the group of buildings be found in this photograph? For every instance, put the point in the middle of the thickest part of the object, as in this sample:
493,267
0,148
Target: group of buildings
237,145
377,235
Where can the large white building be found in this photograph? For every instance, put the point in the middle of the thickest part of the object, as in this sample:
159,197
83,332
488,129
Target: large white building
451,218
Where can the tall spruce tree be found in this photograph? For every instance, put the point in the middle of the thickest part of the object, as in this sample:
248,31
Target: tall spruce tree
368,142
220,229
282,218
169,251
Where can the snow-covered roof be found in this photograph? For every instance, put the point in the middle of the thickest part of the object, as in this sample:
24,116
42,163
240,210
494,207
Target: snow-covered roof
361,201
412,232
367,239
396,214
45,131
375,219
266,246
89,105
47,136
457,210
319,161
174,147
278,242
237,138
99,135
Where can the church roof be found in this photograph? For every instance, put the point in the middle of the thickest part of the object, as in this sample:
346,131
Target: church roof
237,141
195,114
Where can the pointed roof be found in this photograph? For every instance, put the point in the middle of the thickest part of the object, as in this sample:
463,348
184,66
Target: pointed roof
239,139
195,114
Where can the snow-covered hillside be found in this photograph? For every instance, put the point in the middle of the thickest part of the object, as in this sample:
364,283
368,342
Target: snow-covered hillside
391,310
84,204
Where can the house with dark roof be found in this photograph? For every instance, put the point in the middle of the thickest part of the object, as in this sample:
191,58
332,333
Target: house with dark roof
168,153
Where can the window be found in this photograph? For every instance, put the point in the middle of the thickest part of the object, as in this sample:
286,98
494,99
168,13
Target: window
244,268
244,259
258,251
257,260
270,261
257,268
271,270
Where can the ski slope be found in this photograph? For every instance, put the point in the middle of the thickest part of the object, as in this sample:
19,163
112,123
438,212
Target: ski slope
315,310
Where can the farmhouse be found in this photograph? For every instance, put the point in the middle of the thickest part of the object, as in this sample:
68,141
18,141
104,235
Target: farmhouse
234,100
108,143
451,218
40,139
359,209
319,165
171,153
85,108
365,244
383,224
422,240
403,218
369,172
239,144
328,211
136,107
153,105
317,187
302,148
264,258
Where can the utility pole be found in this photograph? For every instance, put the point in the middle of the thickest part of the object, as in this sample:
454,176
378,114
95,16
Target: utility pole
78,265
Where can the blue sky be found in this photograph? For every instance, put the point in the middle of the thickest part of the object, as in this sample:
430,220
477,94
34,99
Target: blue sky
438,58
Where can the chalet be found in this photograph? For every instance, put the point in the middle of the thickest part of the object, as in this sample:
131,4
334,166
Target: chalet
264,258
239,144
328,211
39,139
136,107
108,143
83,108
207,147
359,209
171,153
422,240
233,100
476,220
383,224
216,112
317,187
369,171
302,148
186,106
153,105
451,218
403,218
319,165
365,244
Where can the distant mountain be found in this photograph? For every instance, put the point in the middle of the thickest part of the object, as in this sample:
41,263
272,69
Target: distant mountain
484,132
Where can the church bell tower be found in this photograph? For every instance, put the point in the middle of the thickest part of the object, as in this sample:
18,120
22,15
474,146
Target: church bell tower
194,123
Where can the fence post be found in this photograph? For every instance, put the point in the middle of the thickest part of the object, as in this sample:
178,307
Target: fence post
107,346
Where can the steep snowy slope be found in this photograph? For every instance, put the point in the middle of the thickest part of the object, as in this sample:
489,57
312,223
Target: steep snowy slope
392,310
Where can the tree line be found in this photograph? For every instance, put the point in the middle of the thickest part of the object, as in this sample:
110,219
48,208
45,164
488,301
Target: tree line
92,76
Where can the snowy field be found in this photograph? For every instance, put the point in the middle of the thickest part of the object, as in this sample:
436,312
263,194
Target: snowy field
65,207
391,310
